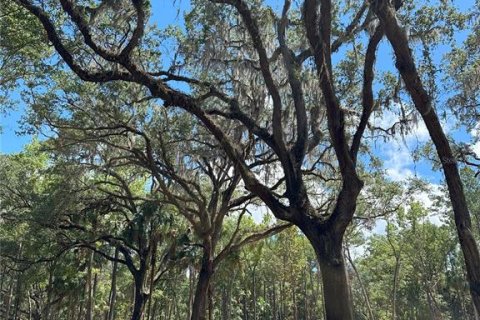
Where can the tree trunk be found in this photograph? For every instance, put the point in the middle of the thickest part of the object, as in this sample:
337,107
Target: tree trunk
295,307
407,68
30,310
113,289
225,315
18,293
199,309
46,310
254,293
305,296
80,308
9,298
211,308
433,306
191,289
245,307
336,289
139,300
94,293
18,296
155,308
274,298
89,287
395,287
315,293
363,288
282,308
151,281
229,297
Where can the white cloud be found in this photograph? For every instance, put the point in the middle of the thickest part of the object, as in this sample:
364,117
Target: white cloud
425,198
476,135
476,148
396,153
398,161
418,131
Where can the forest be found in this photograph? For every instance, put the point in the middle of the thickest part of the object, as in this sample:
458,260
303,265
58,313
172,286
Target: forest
239,159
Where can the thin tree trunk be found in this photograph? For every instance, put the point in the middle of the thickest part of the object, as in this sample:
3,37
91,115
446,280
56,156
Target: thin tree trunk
29,305
18,295
191,290
433,306
2,280
406,66
94,292
315,291
89,288
254,293
151,280
229,295
265,295
295,308
362,286
396,273
395,287
274,297
282,299
305,296
199,309
245,307
155,308
225,315
9,298
11,294
80,309
46,310
113,289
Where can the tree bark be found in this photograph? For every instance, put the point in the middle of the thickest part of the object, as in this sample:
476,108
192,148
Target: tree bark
254,292
113,289
225,315
191,288
227,298
295,307
139,300
336,289
18,295
274,297
407,68
397,255
46,310
362,286
151,280
9,298
245,307
89,287
199,309
395,287
211,308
